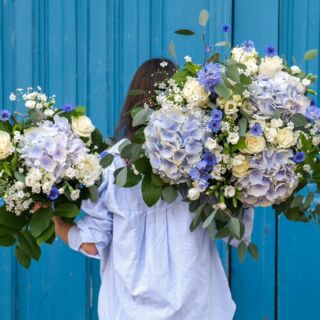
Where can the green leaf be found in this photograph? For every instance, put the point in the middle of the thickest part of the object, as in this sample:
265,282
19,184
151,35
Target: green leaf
36,115
141,117
79,111
242,250
169,194
150,193
245,80
172,49
107,160
12,221
7,240
94,193
156,180
184,32
311,54
233,72
308,201
136,92
299,120
222,44
197,218
214,58
203,17
20,177
138,136
121,177
6,231
28,244
22,258
209,220
14,161
234,227
40,221
143,165
223,91
254,251
47,234
66,210
243,123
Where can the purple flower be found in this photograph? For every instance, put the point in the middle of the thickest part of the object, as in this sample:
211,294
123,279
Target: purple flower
270,51
215,126
54,194
256,129
313,112
103,154
208,48
5,115
210,75
299,157
203,184
67,107
226,28
216,115
194,174
210,159
248,45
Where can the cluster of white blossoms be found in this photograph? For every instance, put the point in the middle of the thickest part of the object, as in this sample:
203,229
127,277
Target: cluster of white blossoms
247,57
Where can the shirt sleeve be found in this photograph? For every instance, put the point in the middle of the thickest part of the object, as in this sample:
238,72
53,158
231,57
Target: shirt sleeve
247,217
96,226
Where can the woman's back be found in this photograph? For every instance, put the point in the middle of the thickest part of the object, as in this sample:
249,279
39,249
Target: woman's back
152,266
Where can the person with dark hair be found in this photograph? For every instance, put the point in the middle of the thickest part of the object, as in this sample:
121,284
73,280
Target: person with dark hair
152,266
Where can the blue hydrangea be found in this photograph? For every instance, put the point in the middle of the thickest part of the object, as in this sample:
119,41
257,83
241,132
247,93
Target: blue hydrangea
5,115
313,113
299,157
256,130
270,51
174,143
210,75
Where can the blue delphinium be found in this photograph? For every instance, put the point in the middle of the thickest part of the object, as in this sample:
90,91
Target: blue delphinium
299,157
5,115
270,51
313,113
256,130
67,107
54,194
210,75
226,28
248,45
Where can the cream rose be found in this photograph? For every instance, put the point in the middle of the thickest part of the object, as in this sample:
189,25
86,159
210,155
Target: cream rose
270,134
240,170
285,138
270,66
193,194
82,126
254,144
5,145
195,93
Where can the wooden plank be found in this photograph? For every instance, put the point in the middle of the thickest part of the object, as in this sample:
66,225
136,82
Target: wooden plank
252,282
298,279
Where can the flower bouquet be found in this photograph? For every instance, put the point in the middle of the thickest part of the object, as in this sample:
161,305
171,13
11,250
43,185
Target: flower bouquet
227,134
49,163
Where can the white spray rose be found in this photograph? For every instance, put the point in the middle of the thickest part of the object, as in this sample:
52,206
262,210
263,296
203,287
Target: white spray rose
229,192
276,123
82,126
270,66
195,93
75,194
5,145
285,138
210,144
193,194
295,70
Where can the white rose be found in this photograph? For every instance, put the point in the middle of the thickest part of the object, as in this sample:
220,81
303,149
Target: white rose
210,144
5,145
82,126
240,169
233,138
231,107
285,138
270,66
195,93
316,141
254,144
75,194
46,187
306,82
30,104
270,134
295,70
276,123
229,191
193,194
70,173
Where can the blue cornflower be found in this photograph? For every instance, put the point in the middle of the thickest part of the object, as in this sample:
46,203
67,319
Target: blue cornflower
226,28
215,126
216,115
313,112
5,115
256,130
2,203
270,51
248,45
299,157
103,154
67,107
54,194
210,75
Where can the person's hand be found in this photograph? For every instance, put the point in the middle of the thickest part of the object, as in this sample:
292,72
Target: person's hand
39,205
62,228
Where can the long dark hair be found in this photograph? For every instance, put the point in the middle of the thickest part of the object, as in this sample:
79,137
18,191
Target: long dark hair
145,78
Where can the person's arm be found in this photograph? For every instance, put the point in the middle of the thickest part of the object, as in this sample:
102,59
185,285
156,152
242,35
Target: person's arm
62,230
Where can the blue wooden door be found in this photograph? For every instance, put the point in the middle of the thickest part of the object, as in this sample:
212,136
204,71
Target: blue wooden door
86,52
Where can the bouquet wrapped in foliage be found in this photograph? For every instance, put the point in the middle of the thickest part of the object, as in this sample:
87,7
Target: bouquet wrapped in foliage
49,162
227,134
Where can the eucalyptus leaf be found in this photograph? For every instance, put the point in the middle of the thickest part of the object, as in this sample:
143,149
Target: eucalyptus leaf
299,120
234,227
121,177
12,221
19,176
203,17
172,50
141,117
243,123
311,54
169,194
94,193
242,250
254,251
223,91
150,193
209,219
222,44
107,160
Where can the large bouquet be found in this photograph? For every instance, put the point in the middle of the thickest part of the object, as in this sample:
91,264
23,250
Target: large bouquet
227,134
49,163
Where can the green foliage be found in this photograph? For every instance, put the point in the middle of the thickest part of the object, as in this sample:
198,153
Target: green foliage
136,92
223,91
169,194
299,121
203,17
242,251
141,117
234,227
94,193
254,251
66,210
184,32
243,124
311,54
40,221
107,160
150,192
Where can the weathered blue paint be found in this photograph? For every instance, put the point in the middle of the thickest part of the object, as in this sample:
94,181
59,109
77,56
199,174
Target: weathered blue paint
86,52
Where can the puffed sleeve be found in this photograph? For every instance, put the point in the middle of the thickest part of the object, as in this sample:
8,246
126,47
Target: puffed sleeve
96,225
247,217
